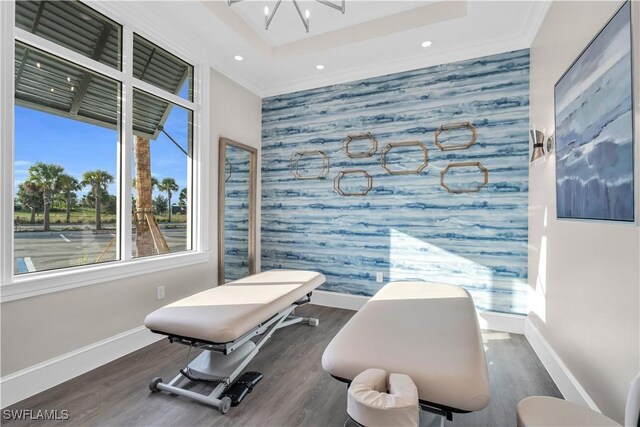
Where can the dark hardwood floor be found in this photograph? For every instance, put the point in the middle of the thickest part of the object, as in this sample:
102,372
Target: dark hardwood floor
295,390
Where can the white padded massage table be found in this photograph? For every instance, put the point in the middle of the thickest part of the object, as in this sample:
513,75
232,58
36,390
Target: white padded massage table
427,331
223,320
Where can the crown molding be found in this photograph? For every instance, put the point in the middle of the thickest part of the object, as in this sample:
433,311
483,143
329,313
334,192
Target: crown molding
408,63
429,14
232,20
208,54
241,79
535,17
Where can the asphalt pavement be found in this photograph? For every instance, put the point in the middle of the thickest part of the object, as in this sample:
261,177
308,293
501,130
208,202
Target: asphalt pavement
39,251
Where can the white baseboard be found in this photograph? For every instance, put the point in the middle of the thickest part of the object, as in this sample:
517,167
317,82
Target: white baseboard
38,378
502,322
338,300
567,383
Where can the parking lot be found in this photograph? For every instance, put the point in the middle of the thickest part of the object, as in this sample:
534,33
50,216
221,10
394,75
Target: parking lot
39,250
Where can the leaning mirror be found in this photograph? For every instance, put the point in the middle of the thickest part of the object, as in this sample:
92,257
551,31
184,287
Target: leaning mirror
236,211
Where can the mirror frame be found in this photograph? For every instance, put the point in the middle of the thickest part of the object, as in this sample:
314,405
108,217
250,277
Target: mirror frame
222,169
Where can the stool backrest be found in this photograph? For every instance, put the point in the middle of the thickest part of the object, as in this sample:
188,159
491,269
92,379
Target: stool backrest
632,411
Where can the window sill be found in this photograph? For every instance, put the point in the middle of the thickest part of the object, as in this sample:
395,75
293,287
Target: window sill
48,282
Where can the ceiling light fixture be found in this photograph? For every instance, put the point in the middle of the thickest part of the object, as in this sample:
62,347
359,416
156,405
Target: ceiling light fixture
238,58
268,15
320,67
426,43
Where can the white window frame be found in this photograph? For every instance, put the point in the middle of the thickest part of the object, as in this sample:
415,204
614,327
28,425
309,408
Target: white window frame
13,287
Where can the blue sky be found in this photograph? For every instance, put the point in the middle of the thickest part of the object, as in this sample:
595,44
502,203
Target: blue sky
79,146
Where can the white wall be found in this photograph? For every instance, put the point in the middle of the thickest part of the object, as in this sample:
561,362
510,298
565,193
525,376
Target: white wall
584,275
40,328
237,115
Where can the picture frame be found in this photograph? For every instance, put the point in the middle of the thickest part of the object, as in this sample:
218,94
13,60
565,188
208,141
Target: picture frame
595,127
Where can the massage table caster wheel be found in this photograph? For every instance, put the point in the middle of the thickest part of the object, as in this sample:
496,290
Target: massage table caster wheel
314,322
225,405
153,385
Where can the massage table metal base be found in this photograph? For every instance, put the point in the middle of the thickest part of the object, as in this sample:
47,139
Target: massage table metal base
223,363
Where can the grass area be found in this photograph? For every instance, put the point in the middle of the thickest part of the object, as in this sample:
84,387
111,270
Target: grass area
174,218
84,215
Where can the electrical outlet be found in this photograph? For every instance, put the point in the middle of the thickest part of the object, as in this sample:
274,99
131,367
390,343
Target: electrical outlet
379,277
160,292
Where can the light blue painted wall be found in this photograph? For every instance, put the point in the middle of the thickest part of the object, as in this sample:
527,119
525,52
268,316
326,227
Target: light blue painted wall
408,226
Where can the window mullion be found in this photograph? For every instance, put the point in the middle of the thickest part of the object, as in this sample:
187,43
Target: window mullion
7,13
125,148
200,172
65,53
174,99
191,184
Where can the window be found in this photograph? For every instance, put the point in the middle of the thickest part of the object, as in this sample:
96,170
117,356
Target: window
92,132
161,166
75,26
66,136
158,67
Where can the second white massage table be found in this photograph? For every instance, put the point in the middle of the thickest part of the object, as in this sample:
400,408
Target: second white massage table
427,331
223,320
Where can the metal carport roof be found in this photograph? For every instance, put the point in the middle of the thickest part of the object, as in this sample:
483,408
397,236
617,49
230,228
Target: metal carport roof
53,85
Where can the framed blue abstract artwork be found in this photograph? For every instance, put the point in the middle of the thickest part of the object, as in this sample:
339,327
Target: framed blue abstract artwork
594,128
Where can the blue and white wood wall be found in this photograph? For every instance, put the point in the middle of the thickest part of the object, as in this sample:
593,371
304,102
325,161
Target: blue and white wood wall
236,214
408,226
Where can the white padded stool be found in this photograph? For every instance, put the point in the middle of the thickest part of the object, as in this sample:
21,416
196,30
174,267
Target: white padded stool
369,404
544,411
541,411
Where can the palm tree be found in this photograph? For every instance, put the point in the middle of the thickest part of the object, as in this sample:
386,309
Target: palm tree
98,180
149,237
46,177
144,219
169,185
182,200
30,198
134,202
154,182
68,186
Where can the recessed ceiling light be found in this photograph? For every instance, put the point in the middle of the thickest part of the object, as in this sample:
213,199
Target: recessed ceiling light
426,43
238,58
320,67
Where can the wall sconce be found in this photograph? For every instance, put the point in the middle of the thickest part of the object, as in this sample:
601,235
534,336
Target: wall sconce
537,138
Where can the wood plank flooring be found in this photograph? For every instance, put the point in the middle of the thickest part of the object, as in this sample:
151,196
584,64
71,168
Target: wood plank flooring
295,390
